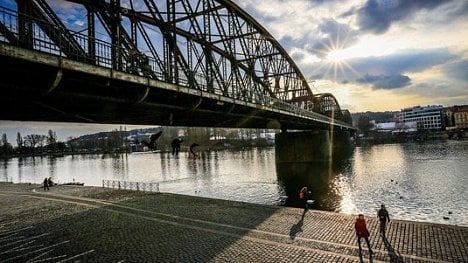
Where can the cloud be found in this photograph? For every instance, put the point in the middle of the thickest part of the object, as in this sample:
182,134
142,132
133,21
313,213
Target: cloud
458,70
403,61
438,90
289,43
376,16
335,36
386,81
71,14
386,72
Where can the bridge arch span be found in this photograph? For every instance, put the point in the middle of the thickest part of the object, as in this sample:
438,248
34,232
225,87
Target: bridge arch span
184,59
327,104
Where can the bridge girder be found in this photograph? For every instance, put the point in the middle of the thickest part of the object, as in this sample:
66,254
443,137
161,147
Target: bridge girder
208,45
211,44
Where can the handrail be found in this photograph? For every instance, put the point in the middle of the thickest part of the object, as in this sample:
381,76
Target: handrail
135,186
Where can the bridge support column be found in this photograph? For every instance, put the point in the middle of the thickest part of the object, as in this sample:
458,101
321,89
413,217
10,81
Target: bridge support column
312,146
342,145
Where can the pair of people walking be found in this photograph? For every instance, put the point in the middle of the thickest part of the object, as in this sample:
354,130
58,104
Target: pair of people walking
47,182
361,227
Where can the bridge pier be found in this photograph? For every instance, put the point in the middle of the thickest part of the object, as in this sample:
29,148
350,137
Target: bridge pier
311,146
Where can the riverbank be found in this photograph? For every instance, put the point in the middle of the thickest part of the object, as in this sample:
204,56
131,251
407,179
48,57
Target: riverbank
104,225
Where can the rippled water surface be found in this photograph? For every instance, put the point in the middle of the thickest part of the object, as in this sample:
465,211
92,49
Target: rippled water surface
424,182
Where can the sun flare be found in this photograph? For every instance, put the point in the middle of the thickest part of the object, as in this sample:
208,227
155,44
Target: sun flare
337,55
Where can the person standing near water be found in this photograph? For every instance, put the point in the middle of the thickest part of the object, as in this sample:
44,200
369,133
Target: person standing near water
384,218
303,197
362,232
46,184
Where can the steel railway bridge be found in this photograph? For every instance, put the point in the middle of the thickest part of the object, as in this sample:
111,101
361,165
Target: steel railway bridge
175,62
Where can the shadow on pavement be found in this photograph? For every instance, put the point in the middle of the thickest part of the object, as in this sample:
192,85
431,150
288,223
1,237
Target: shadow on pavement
145,228
361,258
395,256
297,228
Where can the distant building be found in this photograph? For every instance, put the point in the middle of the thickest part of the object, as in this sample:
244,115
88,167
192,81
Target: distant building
461,119
406,127
456,120
427,117
456,117
395,127
383,126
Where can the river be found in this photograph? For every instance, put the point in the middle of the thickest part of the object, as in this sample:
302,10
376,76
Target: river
422,182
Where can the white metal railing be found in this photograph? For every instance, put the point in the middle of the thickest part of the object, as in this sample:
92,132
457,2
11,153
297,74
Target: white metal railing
135,186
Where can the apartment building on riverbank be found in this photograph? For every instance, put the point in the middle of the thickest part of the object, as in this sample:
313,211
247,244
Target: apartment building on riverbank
428,118
456,121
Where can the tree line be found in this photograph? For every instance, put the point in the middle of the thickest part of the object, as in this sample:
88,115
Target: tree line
32,144
117,140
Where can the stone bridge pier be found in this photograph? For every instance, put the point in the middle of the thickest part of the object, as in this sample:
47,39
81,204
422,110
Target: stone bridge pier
312,146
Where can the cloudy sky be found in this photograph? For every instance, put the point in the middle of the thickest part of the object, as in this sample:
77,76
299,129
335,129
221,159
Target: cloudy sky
373,55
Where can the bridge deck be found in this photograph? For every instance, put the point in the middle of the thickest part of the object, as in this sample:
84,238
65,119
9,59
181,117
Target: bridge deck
104,225
44,87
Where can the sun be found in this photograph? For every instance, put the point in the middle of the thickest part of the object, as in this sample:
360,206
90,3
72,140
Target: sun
336,55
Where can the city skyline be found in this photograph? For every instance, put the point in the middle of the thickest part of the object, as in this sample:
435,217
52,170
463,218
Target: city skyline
66,130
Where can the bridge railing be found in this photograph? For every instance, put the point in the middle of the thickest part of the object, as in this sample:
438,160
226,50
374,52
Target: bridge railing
126,185
56,40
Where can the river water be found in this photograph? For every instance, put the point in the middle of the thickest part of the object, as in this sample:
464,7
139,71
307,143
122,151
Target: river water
422,182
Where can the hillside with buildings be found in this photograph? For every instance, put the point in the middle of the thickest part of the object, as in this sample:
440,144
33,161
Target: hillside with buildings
413,123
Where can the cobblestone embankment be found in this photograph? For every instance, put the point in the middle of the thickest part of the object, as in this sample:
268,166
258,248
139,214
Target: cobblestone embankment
89,224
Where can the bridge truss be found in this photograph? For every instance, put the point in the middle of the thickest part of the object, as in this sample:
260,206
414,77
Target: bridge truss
208,45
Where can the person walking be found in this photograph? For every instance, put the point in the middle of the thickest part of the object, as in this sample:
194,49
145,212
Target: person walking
49,181
303,198
46,184
384,218
362,232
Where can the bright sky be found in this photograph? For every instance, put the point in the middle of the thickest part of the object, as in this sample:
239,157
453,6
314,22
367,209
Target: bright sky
373,55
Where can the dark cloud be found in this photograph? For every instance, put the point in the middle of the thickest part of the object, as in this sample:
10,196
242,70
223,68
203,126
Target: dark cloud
458,70
386,81
350,12
404,61
288,42
337,36
376,16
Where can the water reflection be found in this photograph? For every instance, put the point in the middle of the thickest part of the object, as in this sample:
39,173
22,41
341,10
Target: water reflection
5,170
425,182
320,178
52,167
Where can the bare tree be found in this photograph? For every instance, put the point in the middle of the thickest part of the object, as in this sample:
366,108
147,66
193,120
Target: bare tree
19,140
52,140
33,140
41,142
4,139
5,145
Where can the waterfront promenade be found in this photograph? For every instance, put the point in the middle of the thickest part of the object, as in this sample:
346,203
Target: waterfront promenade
90,224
